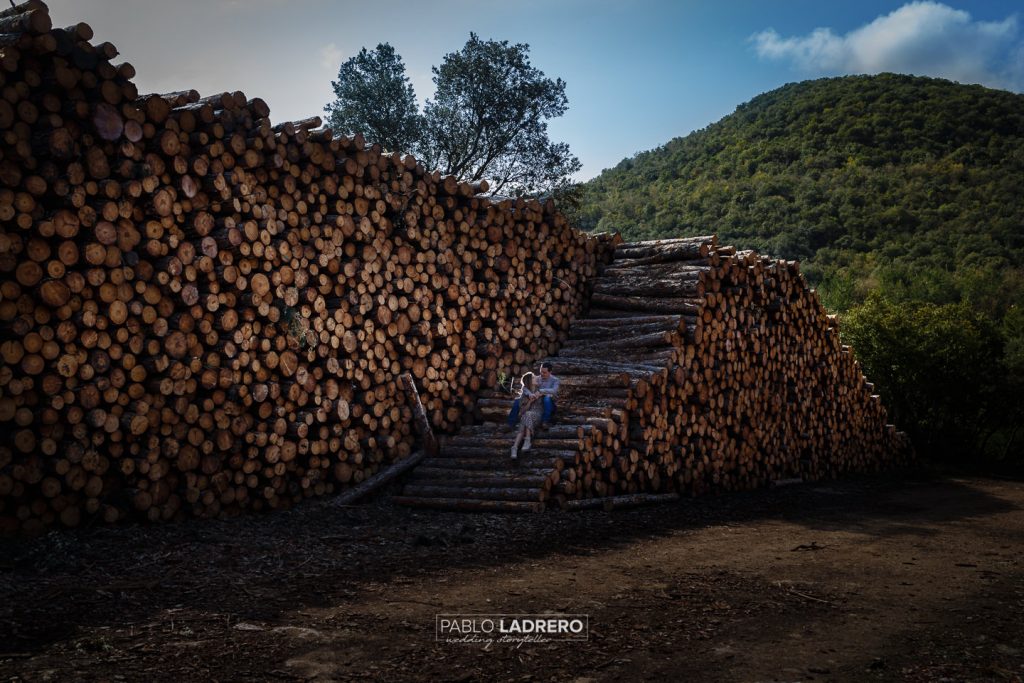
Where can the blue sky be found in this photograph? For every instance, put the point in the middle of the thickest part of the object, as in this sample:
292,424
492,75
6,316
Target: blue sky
638,73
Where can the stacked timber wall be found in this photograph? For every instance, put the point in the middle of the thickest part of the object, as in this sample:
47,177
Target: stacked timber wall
737,377
203,313
695,369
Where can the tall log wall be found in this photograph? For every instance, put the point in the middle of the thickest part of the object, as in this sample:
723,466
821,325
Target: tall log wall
695,369
754,384
202,312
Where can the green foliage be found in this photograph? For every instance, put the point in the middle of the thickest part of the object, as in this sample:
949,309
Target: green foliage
944,375
375,98
901,196
488,118
1013,331
891,181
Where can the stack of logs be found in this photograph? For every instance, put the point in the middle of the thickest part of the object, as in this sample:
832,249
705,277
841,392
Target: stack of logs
695,369
709,369
202,312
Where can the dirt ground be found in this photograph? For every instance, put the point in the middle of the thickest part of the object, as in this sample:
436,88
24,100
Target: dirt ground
862,580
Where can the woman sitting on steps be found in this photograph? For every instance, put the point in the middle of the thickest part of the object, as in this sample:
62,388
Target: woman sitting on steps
531,415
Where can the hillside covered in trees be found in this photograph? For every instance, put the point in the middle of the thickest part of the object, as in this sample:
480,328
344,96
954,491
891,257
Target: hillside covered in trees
906,181
902,196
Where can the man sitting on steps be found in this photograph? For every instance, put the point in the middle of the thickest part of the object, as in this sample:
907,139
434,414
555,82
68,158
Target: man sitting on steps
548,389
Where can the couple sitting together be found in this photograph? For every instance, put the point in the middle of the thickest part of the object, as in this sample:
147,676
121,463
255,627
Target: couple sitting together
534,407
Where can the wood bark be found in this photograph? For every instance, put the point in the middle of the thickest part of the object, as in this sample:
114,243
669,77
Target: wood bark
202,312
740,387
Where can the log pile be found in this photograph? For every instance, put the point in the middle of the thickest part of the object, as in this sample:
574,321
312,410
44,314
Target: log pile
202,312
754,384
696,369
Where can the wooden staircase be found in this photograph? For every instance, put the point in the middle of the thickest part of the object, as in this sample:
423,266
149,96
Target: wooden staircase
696,368
475,470
607,352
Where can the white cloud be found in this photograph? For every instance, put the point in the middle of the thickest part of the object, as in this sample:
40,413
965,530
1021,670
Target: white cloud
922,38
330,57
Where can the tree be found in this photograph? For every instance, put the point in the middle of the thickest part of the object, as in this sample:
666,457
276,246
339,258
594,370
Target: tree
375,98
943,375
488,119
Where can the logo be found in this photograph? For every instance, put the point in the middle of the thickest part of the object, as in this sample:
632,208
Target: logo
510,629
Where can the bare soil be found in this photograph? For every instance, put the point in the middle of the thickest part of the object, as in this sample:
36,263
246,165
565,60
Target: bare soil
860,580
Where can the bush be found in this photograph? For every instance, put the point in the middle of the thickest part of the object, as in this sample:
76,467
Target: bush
944,373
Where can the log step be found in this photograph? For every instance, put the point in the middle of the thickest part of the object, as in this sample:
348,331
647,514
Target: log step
501,459
436,476
619,502
505,441
492,452
592,322
581,416
499,430
462,491
470,504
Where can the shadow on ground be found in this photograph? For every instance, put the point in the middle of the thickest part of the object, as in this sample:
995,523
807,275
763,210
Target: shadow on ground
253,568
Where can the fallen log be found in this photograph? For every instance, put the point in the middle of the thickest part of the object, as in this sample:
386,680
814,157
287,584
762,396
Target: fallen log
378,480
468,504
619,502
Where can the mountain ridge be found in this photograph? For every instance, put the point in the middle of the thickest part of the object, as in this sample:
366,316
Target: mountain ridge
901,182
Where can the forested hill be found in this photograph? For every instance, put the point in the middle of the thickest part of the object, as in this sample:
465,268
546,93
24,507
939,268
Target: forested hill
912,185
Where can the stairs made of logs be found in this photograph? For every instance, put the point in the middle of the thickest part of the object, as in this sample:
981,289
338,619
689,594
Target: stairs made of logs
626,337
